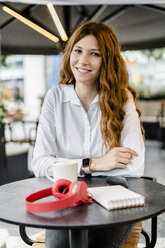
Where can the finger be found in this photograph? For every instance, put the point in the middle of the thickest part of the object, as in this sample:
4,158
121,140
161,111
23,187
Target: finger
127,149
125,155
124,161
121,165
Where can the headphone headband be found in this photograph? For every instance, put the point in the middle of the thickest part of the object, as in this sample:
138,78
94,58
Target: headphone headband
77,194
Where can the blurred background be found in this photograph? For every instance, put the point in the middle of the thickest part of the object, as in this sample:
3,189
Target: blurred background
30,63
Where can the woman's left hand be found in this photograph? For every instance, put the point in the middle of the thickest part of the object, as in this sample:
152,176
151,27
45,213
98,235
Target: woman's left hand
118,157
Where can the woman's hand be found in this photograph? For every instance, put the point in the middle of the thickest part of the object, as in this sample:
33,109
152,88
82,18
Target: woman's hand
118,157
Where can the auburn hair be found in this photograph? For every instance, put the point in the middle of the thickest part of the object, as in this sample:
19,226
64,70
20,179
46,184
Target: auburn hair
113,81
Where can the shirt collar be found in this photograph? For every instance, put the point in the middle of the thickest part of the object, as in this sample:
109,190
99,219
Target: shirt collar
71,96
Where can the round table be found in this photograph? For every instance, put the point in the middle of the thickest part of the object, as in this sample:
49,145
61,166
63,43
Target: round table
78,219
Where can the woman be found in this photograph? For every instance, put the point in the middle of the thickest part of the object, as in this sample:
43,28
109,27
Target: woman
91,117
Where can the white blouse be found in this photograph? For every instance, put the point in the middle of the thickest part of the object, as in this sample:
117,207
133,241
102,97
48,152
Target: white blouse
66,130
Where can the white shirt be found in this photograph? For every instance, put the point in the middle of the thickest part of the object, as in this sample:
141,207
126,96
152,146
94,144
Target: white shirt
66,130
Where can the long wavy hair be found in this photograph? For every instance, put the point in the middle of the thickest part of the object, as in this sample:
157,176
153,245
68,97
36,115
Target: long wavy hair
113,81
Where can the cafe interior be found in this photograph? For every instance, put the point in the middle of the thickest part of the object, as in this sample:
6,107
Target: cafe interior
33,35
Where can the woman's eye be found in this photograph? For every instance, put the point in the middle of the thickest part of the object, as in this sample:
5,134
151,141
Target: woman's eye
77,50
95,54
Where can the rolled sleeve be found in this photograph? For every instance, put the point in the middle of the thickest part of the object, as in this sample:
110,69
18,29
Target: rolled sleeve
131,136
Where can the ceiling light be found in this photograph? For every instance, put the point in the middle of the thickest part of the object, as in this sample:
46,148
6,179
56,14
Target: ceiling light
57,22
31,24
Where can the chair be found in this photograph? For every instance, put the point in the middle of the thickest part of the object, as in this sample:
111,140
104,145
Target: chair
40,241
133,240
38,245
20,131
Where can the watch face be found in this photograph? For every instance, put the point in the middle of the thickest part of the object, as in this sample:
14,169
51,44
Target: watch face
85,166
85,162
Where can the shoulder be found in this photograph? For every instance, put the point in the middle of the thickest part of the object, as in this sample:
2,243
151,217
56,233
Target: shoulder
130,104
58,91
129,95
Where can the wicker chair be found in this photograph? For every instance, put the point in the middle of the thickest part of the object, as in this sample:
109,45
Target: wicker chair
40,241
133,240
38,245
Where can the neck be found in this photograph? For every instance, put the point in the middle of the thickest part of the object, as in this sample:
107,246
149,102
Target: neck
86,94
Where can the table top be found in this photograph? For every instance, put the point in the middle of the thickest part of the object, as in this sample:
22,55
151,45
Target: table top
12,207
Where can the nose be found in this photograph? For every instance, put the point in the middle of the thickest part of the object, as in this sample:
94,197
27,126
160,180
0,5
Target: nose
84,59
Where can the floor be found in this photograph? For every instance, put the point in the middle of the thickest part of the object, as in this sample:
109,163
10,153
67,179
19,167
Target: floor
154,167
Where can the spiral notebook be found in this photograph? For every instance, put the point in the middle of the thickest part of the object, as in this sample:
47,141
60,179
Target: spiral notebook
116,197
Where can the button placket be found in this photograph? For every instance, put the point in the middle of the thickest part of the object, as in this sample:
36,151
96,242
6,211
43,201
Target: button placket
87,135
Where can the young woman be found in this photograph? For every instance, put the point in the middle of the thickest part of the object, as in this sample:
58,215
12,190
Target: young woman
91,117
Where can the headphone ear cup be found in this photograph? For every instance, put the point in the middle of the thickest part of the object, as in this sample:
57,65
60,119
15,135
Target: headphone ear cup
80,189
73,188
59,186
83,191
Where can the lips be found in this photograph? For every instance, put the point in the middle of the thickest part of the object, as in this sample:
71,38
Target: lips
82,70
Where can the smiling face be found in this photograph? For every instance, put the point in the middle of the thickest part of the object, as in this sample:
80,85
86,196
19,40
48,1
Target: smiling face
86,61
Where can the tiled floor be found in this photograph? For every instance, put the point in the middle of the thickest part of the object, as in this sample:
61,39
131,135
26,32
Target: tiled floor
154,167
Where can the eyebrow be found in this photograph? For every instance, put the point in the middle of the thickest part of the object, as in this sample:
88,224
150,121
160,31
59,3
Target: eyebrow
92,49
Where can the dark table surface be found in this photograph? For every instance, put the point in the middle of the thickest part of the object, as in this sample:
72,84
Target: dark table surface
12,206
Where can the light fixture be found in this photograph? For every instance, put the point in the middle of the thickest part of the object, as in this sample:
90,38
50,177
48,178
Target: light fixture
57,22
31,24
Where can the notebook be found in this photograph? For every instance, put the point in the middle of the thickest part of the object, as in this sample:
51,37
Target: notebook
116,197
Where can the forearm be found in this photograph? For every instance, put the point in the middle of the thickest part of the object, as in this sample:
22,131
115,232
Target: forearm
134,169
119,162
40,163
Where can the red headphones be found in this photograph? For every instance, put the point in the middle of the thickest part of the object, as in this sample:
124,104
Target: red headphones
69,193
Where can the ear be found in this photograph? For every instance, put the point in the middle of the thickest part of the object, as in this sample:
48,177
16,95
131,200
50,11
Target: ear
59,186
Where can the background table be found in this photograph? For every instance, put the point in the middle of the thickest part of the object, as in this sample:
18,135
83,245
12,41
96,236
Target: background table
79,219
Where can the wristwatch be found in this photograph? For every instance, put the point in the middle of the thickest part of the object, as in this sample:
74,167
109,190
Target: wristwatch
85,168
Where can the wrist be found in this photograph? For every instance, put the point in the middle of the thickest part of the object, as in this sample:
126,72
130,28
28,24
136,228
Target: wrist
98,164
94,164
